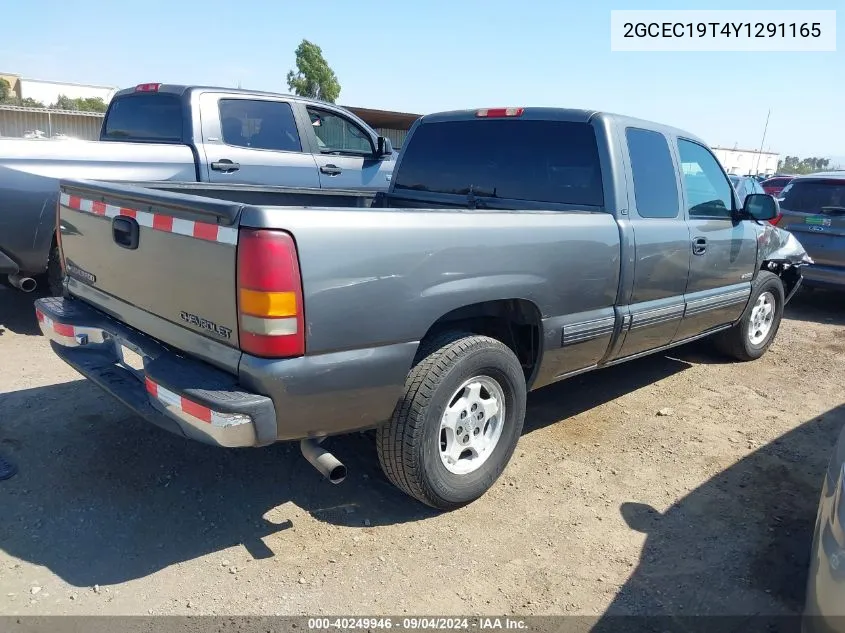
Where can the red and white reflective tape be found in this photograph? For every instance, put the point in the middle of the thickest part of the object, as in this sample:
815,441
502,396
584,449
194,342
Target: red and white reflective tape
190,408
62,329
157,221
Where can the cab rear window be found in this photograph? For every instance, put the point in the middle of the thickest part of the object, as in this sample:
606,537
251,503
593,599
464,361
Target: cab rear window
144,117
539,161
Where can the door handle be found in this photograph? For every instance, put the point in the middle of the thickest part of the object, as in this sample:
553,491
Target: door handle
225,165
699,246
331,170
125,232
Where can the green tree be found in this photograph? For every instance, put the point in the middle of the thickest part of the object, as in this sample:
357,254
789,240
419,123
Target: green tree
80,104
796,165
92,104
29,102
313,77
5,90
64,103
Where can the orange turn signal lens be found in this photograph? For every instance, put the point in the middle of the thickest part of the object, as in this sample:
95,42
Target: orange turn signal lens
267,304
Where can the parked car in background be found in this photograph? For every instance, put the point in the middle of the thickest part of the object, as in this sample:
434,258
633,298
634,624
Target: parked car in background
824,610
812,207
773,186
182,133
745,185
496,263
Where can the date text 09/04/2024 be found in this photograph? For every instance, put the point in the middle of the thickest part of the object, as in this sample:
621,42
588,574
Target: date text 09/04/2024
417,623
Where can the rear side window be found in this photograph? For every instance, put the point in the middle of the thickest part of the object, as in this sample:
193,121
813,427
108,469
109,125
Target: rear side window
259,125
538,161
815,196
144,117
655,183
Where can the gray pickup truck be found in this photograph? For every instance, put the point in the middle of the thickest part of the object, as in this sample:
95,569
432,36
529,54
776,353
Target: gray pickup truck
515,247
182,133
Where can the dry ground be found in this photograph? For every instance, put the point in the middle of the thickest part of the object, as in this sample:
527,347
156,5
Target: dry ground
606,507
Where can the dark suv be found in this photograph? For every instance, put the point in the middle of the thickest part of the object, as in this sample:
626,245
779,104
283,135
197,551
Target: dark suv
813,209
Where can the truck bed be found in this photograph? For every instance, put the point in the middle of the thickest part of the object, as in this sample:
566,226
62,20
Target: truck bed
373,281
265,195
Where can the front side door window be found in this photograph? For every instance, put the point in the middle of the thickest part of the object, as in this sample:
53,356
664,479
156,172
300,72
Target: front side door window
338,135
709,192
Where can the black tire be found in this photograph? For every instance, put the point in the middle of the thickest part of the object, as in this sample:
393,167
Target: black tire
54,276
736,341
409,445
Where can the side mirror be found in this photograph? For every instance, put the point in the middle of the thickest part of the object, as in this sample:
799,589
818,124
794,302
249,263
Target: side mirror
760,206
385,148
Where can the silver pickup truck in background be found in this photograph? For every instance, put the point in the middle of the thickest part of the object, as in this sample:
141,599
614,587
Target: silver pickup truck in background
515,247
182,133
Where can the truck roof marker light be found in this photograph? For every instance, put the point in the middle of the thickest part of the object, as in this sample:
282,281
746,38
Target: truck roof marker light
496,113
147,87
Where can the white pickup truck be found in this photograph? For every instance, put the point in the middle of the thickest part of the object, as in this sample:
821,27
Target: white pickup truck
159,132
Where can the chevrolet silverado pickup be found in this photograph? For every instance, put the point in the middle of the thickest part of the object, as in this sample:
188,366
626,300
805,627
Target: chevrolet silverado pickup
182,133
514,248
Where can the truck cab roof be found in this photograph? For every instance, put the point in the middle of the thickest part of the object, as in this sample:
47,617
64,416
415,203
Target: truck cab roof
574,115
185,90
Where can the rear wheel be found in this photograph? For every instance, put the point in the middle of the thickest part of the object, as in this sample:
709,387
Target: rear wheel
458,422
753,334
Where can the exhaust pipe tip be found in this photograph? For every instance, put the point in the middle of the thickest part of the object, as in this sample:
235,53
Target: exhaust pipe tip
326,464
25,284
337,474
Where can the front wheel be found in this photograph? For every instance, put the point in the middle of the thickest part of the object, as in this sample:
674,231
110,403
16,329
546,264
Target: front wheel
457,424
754,332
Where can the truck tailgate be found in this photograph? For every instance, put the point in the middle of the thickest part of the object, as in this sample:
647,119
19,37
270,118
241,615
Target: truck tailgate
133,252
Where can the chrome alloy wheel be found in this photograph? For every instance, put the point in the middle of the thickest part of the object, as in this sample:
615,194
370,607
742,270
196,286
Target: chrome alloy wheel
471,425
762,317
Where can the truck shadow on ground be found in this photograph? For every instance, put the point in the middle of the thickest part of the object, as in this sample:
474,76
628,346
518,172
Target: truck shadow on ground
102,497
738,544
817,306
17,313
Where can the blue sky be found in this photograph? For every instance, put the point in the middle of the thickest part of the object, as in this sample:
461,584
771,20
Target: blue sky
436,55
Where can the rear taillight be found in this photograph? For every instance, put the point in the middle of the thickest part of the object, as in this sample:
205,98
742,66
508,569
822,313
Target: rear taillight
776,219
147,87
270,310
494,113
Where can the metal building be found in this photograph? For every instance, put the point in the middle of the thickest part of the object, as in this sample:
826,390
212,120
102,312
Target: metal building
48,92
743,162
393,125
19,122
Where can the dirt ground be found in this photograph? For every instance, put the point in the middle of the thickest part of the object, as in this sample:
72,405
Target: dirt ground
606,508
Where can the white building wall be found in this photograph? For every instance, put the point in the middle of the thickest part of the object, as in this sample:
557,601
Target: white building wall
743,162
48,92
